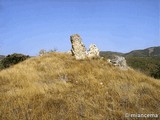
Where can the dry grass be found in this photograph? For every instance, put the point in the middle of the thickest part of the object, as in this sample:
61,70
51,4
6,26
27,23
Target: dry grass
57,87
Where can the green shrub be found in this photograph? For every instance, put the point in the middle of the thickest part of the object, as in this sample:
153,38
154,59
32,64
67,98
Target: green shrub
12,59
156,72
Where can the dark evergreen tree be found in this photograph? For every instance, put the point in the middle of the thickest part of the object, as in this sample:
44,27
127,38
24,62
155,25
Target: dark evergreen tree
12,59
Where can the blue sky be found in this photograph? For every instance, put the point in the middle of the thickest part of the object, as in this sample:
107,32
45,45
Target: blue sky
27,26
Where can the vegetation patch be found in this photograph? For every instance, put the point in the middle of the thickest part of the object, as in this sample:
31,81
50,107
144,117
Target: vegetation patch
12,59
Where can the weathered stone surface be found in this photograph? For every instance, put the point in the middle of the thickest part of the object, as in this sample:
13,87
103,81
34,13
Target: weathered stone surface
79,51
93,52
119,61
78,48
42,52
109,61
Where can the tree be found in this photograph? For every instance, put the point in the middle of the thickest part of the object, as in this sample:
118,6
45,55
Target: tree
156,72
12,59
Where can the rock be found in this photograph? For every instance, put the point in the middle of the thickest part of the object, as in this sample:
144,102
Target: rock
78,48
42,52
101,58
119,61
109,61
79,51
69,52
93,52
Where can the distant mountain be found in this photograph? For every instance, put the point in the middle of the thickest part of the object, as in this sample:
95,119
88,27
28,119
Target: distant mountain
148,52
1,57
109,54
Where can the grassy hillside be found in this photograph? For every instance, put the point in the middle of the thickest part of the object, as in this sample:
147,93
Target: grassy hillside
56,86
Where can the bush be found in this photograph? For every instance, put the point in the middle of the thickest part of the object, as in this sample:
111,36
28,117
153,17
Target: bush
12,59
147,65
156,72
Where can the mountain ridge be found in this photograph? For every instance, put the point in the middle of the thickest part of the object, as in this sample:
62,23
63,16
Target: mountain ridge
147,52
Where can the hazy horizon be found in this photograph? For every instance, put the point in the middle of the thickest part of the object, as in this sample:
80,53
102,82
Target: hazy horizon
113,25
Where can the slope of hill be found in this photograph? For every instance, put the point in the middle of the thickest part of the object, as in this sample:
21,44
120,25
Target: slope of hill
145,60
56,86
144,64
148,52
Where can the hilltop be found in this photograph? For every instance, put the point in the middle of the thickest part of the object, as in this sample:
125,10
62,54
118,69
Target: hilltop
57,86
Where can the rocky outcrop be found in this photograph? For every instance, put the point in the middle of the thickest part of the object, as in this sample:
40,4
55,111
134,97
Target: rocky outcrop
42,52
119,61
79,51
93,52
78,48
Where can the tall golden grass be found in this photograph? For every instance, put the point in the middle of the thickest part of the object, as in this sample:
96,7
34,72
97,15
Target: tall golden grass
57,87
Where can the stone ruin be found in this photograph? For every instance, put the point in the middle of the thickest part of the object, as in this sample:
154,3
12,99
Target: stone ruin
119,61
78,48
93,51
80,52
